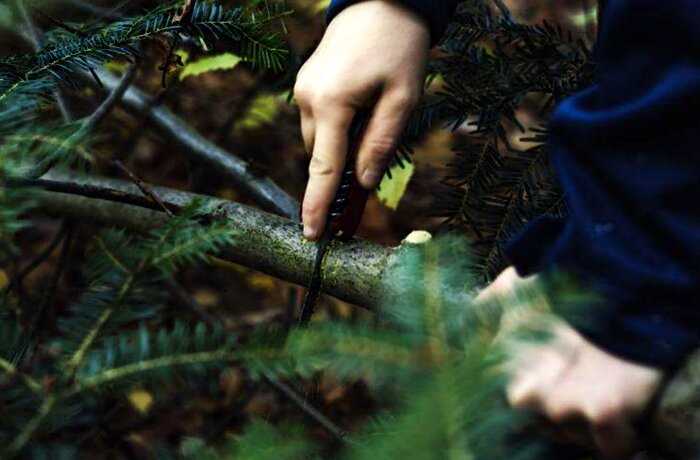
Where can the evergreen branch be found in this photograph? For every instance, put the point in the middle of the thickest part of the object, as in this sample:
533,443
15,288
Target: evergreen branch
274,245
77,358
11,370
113,258
56,142
35,39
30,428
514,209
208,21
166,362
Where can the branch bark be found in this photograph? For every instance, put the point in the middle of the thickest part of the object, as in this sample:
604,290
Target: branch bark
265,192
352,271
268,243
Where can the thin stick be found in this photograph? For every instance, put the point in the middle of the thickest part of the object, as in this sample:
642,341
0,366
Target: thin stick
110,102
307,408
145,188
262,189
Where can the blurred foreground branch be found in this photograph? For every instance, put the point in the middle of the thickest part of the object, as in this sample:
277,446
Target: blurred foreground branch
352,271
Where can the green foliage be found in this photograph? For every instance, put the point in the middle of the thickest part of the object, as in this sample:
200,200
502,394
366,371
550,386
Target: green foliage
69,53
494,70
430,356
145,356
30,147
92,353
261,441
431,359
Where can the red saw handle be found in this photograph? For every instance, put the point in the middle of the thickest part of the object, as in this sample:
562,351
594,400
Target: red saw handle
351,198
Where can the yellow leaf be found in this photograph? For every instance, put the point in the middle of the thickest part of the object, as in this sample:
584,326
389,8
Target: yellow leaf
321,5
141,400
263,110
225,61
184,55
392,190
4,280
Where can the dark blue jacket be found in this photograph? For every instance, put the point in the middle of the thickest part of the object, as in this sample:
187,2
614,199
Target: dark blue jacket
627,152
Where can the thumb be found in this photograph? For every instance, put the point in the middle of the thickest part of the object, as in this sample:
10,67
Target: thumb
388,120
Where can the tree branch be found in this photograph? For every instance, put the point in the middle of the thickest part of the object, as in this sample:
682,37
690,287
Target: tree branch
262,189
113,99
268,243
352,271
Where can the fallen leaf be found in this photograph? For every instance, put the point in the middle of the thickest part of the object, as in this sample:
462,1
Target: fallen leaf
141,400
263,110
225,61
392,190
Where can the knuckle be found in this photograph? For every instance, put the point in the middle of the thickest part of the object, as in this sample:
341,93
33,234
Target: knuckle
405,98
319,167
603,415
301,93
327,97
559,411
380,149
520,396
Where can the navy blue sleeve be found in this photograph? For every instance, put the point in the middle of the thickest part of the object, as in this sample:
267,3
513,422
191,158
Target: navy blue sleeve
627,153
436,13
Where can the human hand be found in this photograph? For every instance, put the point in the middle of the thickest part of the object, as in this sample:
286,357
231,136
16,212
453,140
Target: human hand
588,394
374,53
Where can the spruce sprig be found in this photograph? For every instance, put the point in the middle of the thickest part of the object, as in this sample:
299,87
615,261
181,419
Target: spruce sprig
62,60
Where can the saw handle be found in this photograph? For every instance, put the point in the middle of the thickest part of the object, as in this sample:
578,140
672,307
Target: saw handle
351,198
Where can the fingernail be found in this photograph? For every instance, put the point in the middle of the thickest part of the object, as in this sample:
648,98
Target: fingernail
370,178
309,233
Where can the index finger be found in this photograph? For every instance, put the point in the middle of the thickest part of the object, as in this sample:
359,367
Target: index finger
325,170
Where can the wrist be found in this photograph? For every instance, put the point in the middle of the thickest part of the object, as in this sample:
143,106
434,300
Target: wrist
394,10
